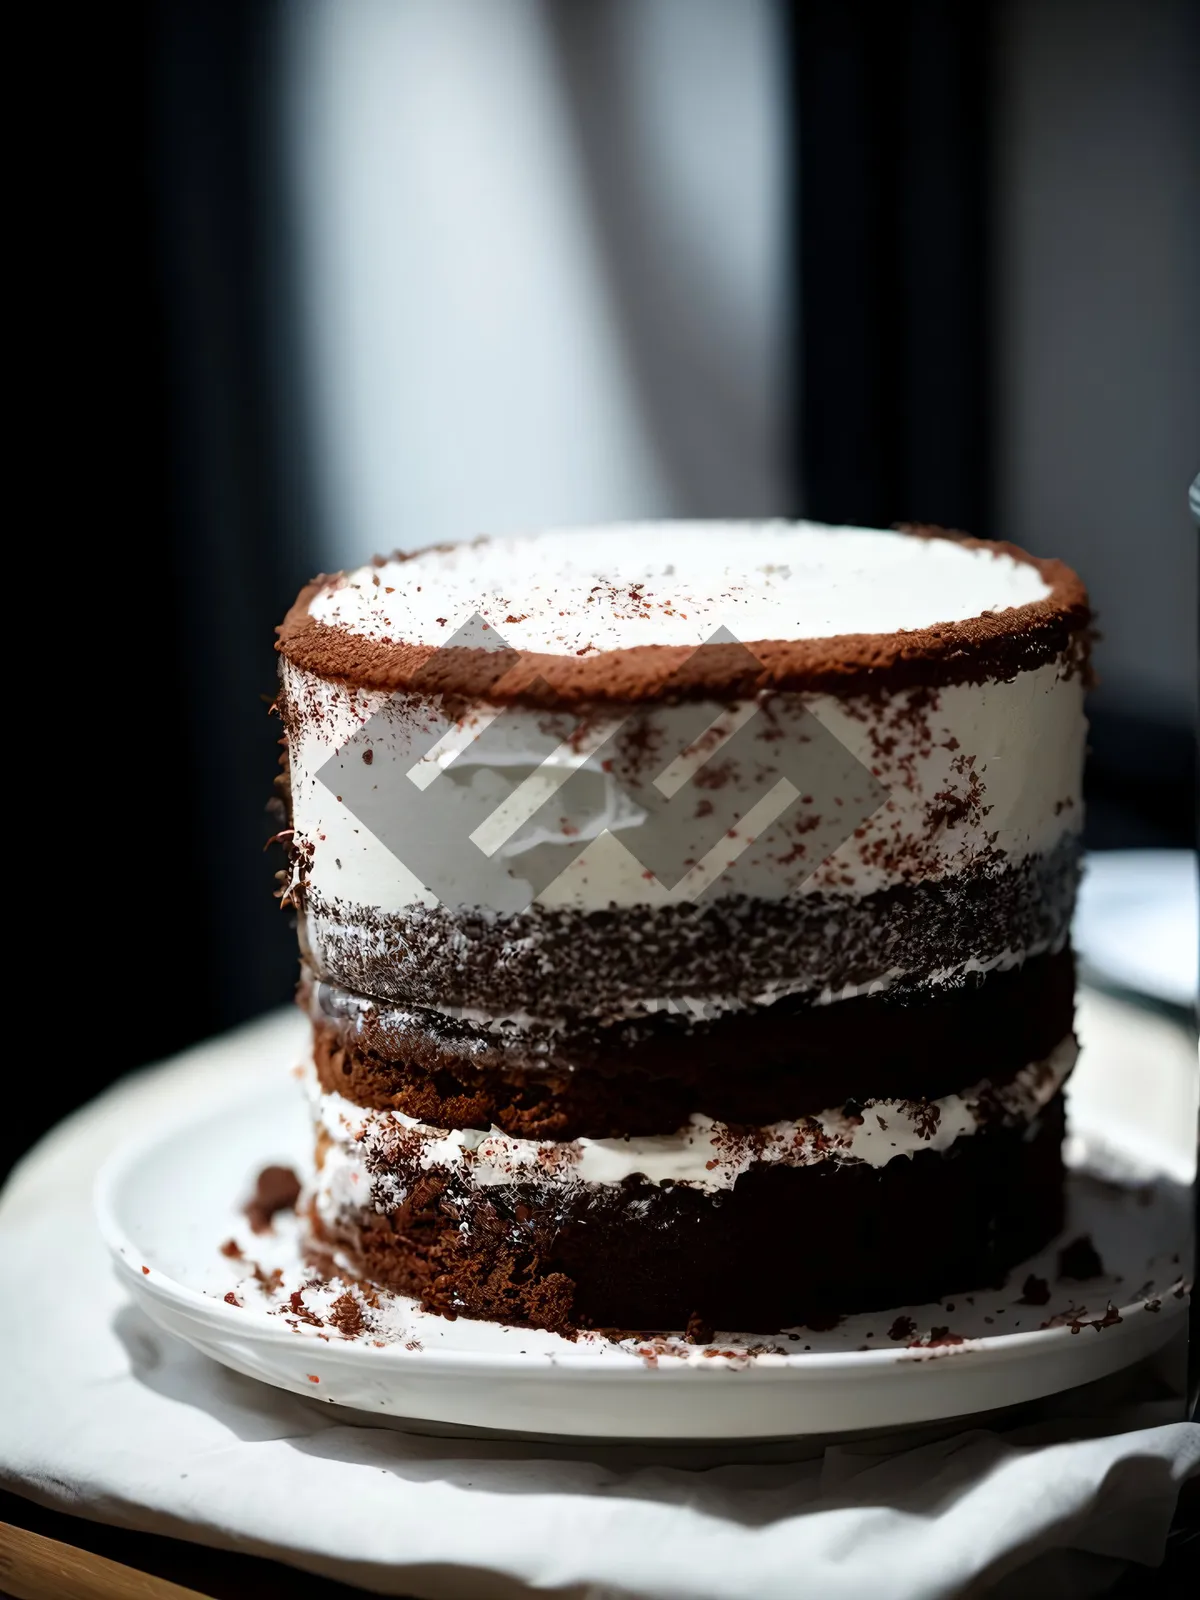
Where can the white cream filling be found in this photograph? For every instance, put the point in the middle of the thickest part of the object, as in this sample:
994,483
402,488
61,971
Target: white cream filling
705,1154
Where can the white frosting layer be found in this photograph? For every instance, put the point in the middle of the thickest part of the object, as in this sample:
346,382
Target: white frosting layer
980,770
704,1155
593,589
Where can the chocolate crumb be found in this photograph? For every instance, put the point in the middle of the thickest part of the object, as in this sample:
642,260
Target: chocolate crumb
232,1249
268,1281
1035,1291
305,1313
1109,1320
699,1330
1079,1260
902,1328
277,1189
346,1316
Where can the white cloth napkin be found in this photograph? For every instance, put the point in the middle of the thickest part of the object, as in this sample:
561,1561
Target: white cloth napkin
103,1414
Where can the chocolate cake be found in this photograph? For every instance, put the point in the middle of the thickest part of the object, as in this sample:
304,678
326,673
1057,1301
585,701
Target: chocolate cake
684,917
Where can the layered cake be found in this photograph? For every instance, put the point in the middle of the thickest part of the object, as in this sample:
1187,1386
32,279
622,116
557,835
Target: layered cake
684,918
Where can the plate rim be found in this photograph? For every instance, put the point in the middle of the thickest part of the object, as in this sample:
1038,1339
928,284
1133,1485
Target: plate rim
571,1362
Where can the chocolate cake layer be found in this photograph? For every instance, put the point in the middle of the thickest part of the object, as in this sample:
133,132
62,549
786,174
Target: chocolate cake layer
648,1076
728,949
785,1246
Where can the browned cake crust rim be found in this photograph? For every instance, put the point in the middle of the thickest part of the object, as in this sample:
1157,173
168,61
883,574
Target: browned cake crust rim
994,645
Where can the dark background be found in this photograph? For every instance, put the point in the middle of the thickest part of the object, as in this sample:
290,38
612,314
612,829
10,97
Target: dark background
990,253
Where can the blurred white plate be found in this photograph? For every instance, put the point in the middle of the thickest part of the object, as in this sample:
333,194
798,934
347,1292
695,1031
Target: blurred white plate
167,1203
1138,922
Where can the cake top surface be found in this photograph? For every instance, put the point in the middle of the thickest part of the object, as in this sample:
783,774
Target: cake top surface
596,589
597,612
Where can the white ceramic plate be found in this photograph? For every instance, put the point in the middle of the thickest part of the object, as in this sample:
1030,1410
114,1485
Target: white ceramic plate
1137,923
167,1204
